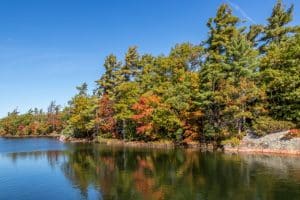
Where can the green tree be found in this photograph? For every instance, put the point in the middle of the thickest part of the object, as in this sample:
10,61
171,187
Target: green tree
277,28
131,67
280,71
241,96
222,28
126,93
110,79
82,109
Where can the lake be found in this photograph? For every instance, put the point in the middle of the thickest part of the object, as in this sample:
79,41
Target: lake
41,168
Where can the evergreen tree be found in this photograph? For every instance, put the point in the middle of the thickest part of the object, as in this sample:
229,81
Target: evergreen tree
280,71
109,79
277,28
82,90
280,64
126,93
131,67
242,98
222,28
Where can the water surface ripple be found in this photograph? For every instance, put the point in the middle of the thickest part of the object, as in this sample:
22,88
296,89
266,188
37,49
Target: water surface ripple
41,168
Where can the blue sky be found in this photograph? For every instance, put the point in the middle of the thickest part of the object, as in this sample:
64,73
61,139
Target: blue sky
47,47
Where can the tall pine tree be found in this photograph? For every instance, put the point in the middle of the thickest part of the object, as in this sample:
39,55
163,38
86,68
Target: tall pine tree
222,28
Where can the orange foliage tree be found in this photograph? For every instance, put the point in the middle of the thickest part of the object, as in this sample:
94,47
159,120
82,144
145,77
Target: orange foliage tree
144,110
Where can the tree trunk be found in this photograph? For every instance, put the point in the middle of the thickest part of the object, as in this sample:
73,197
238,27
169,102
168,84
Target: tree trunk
124,129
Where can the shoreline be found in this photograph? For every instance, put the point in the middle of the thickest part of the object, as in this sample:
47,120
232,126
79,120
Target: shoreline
164,144
54,136
262,151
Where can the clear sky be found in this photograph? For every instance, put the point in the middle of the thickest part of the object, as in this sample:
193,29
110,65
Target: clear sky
47,47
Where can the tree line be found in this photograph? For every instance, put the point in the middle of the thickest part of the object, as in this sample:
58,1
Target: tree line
240,79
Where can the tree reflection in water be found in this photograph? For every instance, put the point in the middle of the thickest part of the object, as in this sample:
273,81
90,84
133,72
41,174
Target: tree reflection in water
127,173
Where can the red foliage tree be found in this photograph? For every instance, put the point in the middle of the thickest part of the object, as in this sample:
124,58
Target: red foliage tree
105,121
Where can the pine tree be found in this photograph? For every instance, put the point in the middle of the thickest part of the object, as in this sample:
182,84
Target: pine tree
82,90
126,93
277,28
241,96
280,71
110,79
223,27
131,67
280,64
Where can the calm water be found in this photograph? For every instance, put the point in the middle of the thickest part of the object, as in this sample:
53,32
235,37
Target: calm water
47,169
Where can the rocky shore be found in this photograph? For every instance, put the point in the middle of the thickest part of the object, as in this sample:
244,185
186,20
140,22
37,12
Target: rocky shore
275,143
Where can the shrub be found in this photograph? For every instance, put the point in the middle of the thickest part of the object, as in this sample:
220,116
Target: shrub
234,141
68,131
293,133
2,131
265,125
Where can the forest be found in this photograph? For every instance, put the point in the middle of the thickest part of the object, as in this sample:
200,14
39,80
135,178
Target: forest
240,79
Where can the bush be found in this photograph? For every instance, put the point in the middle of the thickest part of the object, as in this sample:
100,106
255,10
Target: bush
2,131
293,133
265,125
234,141
68,131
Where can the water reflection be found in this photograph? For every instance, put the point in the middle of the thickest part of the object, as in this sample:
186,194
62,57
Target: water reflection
54,157
118,173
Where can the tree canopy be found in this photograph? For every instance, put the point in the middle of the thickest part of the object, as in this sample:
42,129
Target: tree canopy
237,80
